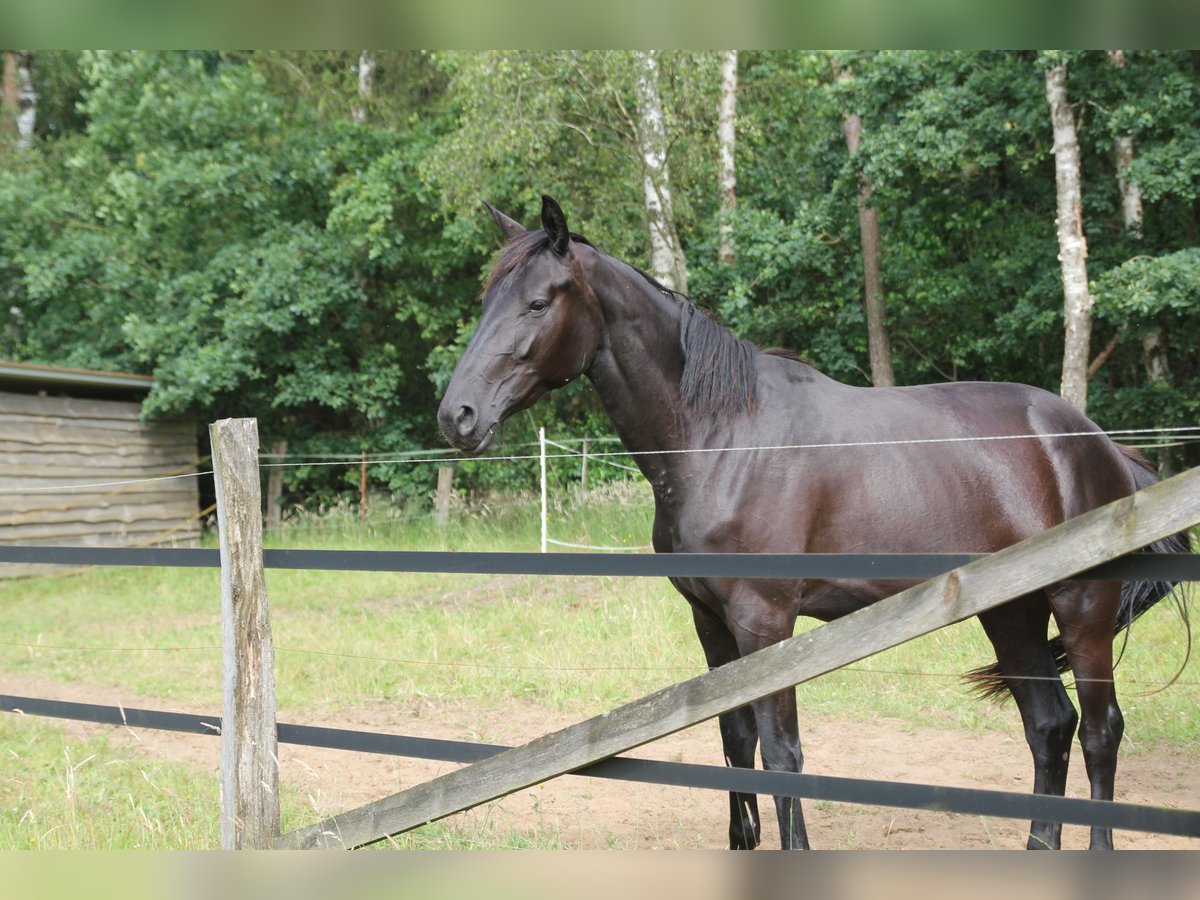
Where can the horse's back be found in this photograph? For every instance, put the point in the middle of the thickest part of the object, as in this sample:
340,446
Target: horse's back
961,466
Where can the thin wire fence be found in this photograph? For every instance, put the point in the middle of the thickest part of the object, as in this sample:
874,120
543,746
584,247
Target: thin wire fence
1178,434
564,451
1153,686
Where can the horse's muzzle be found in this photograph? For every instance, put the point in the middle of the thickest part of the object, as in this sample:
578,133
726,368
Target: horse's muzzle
460,426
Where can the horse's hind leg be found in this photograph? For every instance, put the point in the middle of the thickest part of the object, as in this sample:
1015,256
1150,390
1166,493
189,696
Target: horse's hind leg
739,735
1086,613
1018,633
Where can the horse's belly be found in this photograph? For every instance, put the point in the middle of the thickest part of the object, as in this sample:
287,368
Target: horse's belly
829,600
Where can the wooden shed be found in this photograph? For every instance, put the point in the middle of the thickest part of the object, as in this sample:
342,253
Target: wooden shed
72,448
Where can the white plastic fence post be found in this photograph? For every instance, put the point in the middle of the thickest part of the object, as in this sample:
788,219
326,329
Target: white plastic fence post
542,454
583,473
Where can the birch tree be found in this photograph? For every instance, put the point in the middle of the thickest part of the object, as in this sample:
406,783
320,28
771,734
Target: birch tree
1154,345
1131,194
726,138
1072,246
667,262
19,95
366,85
878,343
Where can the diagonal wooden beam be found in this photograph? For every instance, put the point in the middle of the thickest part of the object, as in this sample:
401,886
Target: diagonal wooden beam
1096,537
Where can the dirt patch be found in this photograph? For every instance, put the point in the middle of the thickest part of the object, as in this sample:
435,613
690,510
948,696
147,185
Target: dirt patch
589,813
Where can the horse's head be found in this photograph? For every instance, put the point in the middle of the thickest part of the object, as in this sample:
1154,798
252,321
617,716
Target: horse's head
540,329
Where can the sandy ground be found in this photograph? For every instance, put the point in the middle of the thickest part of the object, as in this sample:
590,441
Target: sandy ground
591,813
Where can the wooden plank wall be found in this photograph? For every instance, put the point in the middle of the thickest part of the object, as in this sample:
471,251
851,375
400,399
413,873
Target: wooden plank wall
50,444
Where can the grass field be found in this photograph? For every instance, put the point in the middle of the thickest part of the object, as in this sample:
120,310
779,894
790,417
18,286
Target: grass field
579,645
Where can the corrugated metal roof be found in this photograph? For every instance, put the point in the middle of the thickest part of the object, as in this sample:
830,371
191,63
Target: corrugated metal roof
31,375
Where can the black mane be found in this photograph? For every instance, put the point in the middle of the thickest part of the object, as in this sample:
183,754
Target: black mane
720,371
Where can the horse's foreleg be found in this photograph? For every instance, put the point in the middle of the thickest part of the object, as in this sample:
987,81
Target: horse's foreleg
778,730
739,736
780,737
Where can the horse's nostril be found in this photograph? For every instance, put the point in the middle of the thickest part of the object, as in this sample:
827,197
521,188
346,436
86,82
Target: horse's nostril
464,420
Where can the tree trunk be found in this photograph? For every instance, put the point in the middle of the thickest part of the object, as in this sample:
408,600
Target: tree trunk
666,255
1154,342
1072,247
1155,356
366,85
10,96
1158,368
878,343
1131,194
19,95
274,515
726,137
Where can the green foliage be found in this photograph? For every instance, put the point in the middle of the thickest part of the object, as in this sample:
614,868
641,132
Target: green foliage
1150,288
257,256
565,123
266,241
1144,295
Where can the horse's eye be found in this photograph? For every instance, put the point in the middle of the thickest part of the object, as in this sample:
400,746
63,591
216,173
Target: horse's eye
538,305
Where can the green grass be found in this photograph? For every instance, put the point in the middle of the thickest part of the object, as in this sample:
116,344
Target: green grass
86,794
577,645
60,793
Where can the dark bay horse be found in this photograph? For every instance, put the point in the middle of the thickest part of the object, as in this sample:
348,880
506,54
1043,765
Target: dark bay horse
672,379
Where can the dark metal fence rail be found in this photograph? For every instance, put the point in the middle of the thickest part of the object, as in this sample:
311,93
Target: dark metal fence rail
898,566
1001,804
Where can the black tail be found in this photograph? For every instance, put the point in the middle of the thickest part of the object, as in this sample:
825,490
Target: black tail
1136,596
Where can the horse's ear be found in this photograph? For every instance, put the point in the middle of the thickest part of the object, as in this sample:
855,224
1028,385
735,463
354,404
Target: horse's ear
555,224
508,227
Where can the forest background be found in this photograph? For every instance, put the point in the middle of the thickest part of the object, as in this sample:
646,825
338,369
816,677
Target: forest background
299,237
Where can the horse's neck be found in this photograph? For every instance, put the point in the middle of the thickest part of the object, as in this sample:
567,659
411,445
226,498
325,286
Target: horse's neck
637,370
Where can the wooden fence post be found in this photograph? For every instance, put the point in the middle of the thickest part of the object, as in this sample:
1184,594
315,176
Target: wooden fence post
441,503
275,487
249,761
